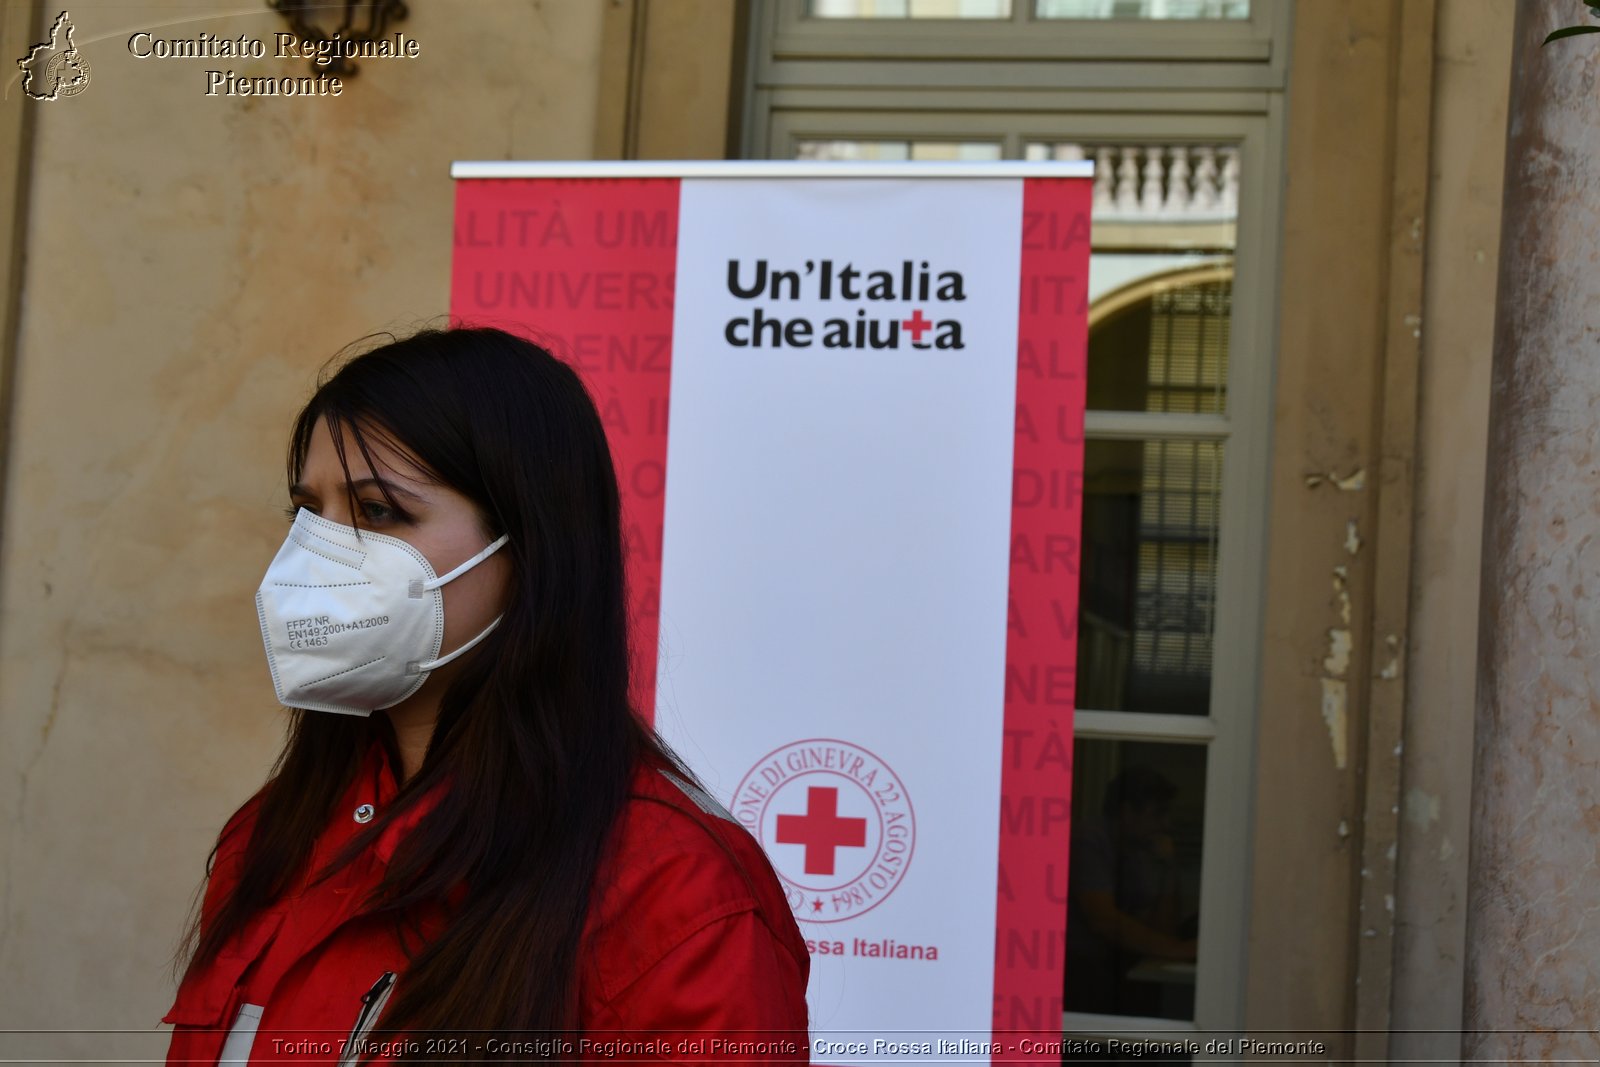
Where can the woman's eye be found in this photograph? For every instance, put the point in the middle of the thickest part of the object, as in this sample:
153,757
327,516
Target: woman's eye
374,511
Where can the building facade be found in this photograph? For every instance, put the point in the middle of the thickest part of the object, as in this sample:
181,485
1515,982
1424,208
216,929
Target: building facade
1296,258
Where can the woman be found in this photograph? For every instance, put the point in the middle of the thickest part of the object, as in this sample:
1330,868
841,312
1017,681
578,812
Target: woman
471,846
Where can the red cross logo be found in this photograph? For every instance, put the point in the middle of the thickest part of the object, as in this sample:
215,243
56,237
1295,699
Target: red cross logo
834,886
821,829
915,325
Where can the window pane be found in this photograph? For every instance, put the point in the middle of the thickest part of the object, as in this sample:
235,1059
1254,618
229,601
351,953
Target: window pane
896,150
1142,9
1148,577
1160,273
1133,878
1162,345
910,9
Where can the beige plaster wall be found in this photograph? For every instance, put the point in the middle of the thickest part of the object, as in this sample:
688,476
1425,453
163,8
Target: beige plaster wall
1472,72
1309,830
667,79
1350,223
190,263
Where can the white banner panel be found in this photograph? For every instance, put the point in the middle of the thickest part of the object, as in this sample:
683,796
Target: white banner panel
833,630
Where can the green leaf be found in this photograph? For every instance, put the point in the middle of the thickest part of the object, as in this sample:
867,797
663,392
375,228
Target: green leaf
1570,31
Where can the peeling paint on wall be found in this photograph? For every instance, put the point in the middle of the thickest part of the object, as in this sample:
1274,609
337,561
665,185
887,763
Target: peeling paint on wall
1357,480
1352,538
1422,809
1337,661
1336,665
1335,703
1391,670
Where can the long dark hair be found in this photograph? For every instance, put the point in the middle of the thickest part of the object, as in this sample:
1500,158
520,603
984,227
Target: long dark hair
537,735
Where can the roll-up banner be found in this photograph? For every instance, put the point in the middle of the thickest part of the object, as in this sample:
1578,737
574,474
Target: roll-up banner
845,402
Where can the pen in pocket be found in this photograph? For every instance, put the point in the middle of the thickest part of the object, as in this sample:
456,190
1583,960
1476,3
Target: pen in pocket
372,1002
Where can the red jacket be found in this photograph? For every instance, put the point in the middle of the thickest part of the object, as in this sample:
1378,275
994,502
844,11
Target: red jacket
678,947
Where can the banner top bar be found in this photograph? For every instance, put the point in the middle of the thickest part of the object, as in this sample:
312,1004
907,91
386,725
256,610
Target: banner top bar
769,168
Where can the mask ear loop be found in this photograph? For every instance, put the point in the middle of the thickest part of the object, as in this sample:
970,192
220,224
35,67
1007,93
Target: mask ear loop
415,668
418,586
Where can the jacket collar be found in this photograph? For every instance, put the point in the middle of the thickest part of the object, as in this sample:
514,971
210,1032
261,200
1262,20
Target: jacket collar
378,783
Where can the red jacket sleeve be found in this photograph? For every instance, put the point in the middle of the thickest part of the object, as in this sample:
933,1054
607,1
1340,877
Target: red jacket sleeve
693,954
729,993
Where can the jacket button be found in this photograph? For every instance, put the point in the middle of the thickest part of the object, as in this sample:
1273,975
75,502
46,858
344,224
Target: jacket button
364,813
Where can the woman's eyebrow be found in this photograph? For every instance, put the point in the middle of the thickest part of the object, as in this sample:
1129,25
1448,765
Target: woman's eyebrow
393,487
299,489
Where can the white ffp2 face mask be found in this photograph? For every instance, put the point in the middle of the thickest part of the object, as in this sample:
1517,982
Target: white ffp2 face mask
352,621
